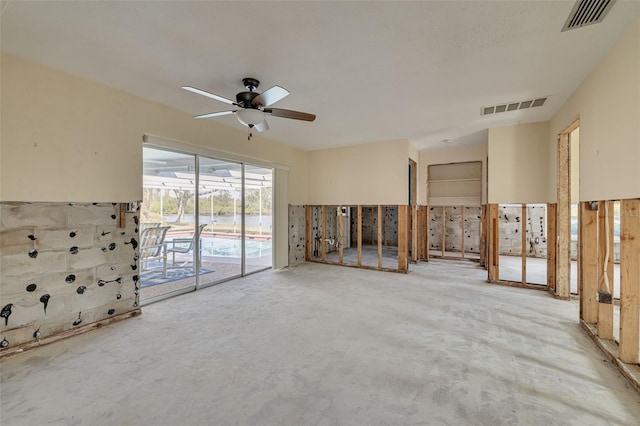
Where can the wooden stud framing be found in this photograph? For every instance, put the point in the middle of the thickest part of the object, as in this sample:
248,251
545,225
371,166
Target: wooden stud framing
340,236
444,226
605,310
630,281
494,242
523,232
552,237
308,250
415,251
323,243
403,231
425,224
483,235
359,235
462,229
563,255
379,236
588,270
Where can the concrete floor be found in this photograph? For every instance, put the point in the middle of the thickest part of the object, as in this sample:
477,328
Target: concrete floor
321,345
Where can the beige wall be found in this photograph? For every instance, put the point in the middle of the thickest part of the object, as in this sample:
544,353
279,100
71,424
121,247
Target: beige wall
64,138
518,158
608,105
451,155
375,173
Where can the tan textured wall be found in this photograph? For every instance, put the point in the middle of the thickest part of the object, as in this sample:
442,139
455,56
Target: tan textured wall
518,171
608,105
375,173
64,138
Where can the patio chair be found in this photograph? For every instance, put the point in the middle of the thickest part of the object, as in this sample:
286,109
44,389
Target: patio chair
153,247
184,246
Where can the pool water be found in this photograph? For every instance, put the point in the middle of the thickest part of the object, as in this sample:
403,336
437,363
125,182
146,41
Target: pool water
232,247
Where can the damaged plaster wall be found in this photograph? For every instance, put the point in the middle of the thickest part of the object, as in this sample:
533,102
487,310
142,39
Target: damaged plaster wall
63,265
296,234
453,228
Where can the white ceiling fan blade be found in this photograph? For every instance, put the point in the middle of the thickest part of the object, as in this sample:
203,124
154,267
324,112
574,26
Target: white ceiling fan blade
214,114
262,127
270,96
208,95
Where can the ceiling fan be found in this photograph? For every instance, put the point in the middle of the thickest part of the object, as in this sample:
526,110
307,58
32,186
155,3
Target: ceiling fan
253,107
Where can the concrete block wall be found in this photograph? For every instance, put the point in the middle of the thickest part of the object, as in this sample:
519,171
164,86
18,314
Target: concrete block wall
454,229
296,234
511,227
63,265
370,226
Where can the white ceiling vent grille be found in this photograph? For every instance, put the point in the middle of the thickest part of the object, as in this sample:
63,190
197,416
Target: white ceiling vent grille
587,12
512,106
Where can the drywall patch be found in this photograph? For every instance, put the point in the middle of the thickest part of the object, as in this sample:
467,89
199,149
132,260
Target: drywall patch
57,271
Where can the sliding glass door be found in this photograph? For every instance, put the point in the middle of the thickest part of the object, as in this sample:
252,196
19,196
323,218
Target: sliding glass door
220,191
258,219
167,224
203,221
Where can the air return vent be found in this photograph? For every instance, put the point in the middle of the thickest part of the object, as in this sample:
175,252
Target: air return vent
587,12
512,106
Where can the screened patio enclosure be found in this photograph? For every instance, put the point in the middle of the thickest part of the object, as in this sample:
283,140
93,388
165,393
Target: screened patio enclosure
218,220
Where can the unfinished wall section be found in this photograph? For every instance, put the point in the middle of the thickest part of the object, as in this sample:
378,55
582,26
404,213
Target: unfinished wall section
63,266
458,221
510,234
296,234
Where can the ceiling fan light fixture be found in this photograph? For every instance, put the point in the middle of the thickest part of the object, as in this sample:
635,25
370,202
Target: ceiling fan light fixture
250,116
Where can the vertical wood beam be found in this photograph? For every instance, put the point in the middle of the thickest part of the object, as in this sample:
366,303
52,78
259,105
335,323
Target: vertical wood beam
379,236
403,235
630,281
340,237
588,272
359,235
444,225
483,236
462,228
563,255
307,237
523,231
426,233
415,256
552,238
324,233
605,310
494,242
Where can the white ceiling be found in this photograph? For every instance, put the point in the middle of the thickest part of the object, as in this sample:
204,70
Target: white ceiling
370,71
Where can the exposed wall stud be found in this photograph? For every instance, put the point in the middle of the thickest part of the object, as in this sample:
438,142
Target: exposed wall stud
630,281
588,271
359,235
379,236
403,231
494,242
552,237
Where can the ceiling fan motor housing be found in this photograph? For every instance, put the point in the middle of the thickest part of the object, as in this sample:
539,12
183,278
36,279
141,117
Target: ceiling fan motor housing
245,99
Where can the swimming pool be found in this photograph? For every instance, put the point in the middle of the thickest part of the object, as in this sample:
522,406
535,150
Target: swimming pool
232,247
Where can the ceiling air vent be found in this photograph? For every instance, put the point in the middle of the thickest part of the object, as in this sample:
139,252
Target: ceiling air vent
512,106
587,12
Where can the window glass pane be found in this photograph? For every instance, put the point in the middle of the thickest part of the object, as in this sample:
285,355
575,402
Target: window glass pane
258,218
220,215
167,223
